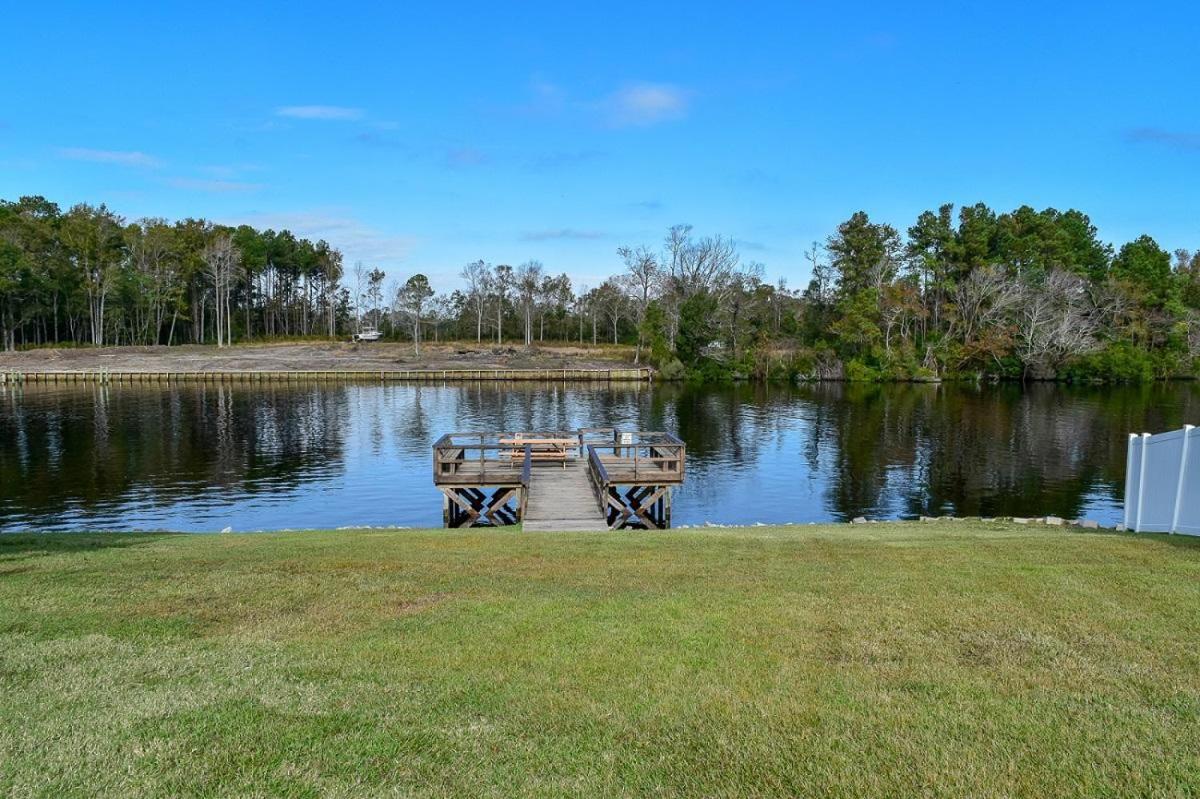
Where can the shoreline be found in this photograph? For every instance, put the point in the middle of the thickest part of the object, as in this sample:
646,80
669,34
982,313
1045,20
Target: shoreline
1075,525
638,374
323,361
318,356
337,361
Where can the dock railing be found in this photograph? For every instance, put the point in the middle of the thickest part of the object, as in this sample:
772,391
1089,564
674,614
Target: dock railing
602,436
527,466
643,457
471,458
492,458
486,458
598,476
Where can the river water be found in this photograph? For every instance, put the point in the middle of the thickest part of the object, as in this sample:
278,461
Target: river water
207,457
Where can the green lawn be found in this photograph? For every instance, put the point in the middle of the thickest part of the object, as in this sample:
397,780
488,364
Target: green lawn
940,659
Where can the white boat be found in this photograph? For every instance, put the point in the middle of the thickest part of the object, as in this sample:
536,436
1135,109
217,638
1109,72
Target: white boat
370,334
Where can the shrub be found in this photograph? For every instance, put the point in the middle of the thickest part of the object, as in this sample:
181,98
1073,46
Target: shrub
672,370
859,372
1119,362
923,374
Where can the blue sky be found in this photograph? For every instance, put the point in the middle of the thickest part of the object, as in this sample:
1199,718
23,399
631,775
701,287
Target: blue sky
421,138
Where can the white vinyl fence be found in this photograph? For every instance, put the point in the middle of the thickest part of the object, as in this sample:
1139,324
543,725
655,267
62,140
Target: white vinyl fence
1162,482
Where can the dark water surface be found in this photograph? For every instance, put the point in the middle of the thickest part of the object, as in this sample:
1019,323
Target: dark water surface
206,457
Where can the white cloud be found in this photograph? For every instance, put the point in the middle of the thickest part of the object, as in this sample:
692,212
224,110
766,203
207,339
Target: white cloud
357,240
547,99
561,233
466,157
635,104
319,112
558,159
1172,138
229,171
646,104
214,185
118,157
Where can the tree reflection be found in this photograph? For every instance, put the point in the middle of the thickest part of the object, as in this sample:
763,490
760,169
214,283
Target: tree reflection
70,456
908,450
62,450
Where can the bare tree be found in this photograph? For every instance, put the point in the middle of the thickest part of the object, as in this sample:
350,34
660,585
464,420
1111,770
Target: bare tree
475,275
900,308
528,284
592,303
581,307
360,276
677,243
612,301
1055,319
501,282
222,262
697,265
983,304
820,287
642,272
778,297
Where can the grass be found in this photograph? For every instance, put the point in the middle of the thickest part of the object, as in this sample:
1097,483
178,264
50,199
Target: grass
949,659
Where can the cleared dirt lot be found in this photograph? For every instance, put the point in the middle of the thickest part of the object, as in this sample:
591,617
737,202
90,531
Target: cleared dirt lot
315,357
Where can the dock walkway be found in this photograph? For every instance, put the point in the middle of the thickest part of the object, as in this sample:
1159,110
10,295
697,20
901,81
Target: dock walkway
562,499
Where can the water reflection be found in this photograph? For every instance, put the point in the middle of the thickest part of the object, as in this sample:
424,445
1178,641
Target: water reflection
203,457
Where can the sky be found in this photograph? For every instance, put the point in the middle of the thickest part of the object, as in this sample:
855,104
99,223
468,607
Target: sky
420,137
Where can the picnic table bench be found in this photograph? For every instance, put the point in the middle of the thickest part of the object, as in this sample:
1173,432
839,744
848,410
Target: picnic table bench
540,449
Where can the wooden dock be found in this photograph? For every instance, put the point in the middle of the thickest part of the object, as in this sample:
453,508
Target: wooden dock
589,479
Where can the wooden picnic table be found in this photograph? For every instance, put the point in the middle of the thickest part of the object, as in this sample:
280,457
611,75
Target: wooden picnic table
540,449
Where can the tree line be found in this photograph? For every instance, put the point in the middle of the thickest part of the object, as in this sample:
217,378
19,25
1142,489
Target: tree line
88,276
1024,294
962,292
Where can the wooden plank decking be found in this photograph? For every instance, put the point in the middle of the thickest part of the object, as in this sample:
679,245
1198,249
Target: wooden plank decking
561,499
